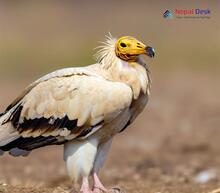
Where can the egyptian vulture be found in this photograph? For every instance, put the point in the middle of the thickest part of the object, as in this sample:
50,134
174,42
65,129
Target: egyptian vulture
82,108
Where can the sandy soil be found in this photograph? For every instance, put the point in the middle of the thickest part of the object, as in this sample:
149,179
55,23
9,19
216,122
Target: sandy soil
173,147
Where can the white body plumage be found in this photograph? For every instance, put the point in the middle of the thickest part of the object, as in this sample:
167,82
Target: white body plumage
82,108
83,157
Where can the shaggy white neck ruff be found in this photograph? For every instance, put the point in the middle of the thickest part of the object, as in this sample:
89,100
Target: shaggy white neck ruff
133,74
106,54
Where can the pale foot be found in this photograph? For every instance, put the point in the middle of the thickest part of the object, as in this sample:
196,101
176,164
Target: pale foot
85,186
86,190
97,190
98,186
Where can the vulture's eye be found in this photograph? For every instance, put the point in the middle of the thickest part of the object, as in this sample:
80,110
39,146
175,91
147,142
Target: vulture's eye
123,45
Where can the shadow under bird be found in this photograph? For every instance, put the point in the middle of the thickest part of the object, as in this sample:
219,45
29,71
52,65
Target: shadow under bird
82,108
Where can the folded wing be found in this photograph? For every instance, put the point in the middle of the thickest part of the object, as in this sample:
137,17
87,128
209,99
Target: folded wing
61,108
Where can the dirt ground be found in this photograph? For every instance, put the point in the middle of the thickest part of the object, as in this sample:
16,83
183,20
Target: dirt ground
173,147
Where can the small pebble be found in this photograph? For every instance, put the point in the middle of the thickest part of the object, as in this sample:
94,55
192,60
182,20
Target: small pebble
205,176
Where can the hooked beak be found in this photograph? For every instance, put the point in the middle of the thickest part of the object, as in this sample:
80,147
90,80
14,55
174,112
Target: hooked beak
150,51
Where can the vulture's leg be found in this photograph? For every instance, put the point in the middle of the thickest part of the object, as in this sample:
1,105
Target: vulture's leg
103,150
80,157
85,186
98,186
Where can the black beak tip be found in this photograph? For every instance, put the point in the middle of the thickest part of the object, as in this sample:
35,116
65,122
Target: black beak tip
150,51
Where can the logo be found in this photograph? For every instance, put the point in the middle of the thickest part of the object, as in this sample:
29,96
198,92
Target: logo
168,14
187,13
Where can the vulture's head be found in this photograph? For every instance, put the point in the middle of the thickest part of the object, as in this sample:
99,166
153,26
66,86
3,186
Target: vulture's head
125,48
128,48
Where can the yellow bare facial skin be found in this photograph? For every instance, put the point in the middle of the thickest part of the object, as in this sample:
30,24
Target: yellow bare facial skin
128,48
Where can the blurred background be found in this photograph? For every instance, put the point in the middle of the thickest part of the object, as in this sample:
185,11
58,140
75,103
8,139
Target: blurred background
174,145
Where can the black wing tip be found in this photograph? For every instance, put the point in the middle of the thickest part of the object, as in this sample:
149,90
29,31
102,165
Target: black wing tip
28,143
